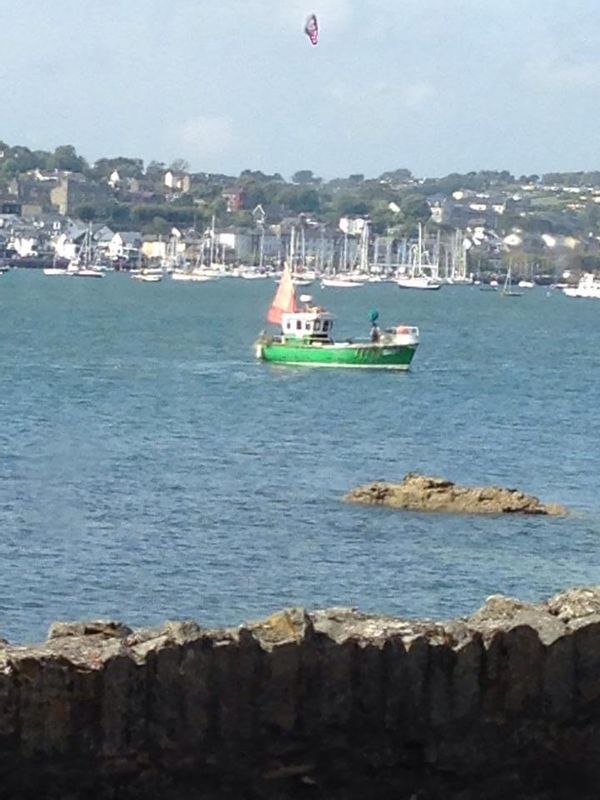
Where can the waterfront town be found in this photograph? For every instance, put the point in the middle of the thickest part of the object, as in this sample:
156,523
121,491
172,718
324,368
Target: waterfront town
130,216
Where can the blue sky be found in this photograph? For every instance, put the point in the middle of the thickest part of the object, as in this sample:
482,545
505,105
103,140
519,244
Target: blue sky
433,85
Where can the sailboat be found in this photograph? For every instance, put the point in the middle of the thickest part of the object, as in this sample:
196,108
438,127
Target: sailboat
417,277
306,337
507,290
82,266
360,274
55,271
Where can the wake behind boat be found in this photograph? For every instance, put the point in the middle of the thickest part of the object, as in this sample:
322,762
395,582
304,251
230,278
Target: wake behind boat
306,337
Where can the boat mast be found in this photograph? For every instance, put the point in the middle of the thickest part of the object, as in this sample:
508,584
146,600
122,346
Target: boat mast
292,247
261,249
212,241
345,251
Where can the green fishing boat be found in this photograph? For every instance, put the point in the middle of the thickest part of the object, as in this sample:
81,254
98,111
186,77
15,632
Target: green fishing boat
306,338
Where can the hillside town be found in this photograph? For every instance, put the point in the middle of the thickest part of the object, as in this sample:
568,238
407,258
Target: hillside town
135,216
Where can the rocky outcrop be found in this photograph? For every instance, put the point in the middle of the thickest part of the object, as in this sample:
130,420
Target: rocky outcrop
329,704
427,493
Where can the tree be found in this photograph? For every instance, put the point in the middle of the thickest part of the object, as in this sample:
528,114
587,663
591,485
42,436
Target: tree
65,157
259,177
299,199
155,171
24,158
179,165
120,214
305,177
87,212
10,168
415,209
356,180
126,167
396,177
350,204
159,226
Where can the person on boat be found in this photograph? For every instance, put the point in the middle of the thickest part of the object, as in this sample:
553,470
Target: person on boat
375,335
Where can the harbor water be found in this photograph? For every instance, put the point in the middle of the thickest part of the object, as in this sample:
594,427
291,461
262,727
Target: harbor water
150,468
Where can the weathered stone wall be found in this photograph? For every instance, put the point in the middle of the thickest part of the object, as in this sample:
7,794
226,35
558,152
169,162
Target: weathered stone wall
333,704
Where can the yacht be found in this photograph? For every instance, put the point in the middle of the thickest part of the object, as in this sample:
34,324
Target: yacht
588,287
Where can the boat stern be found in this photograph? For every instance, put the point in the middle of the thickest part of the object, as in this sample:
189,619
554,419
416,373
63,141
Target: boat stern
405,335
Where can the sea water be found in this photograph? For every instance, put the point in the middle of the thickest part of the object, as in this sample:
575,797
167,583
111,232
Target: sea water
151,468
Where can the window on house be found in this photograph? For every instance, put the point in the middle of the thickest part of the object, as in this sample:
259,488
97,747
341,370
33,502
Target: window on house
299,324
326,325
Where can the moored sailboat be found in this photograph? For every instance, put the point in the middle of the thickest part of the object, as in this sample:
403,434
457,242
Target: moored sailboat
419,275
507,290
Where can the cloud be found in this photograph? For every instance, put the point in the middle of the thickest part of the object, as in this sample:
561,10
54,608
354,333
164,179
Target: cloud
205,136
553,73
377,95
416,95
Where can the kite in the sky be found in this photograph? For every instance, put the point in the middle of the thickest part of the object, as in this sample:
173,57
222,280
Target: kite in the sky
311,29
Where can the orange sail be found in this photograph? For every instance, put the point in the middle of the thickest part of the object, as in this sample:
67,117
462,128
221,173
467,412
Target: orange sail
284,301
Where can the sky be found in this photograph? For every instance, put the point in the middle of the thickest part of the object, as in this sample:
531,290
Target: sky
436,86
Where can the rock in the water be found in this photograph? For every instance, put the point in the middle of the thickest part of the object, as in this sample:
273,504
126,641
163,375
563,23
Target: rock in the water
427,493
108,629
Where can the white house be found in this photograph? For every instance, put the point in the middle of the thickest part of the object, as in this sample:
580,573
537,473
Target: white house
25,244
353,226
177,181
125,244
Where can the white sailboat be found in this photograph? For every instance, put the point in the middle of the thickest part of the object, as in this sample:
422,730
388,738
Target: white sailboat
359,275
507,290
82,266
55,271
300,276
340,282
416,276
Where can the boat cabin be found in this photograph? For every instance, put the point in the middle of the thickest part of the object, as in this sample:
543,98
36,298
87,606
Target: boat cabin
312,323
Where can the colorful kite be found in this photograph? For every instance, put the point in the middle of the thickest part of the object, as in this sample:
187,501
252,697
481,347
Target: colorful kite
311,29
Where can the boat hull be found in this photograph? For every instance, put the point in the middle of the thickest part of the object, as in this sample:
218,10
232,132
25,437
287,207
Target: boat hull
360,356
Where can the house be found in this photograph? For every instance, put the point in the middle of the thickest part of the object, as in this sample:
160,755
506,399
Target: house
178,181
26,242
235,198
10,207
68,243
440,208
154,247
114,179
74,190
125,245
102,236
353,226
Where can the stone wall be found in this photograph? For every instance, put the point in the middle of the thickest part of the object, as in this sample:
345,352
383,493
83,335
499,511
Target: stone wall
331,704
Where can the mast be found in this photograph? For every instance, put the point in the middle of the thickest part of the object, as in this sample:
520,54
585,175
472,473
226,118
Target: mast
345,251
292,247
261,249
212,241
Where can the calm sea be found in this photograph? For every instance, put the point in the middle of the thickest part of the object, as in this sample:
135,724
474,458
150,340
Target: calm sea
150,468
